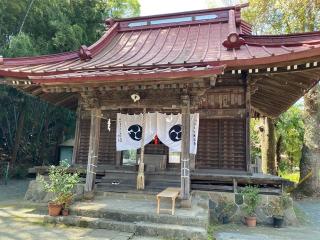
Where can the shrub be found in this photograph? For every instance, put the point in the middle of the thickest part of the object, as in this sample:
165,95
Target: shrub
251,199
61,183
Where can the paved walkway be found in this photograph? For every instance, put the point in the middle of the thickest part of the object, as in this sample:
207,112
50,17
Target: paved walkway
13,225
310,230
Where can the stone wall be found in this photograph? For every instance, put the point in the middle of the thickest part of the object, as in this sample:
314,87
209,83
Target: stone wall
36,193
216,202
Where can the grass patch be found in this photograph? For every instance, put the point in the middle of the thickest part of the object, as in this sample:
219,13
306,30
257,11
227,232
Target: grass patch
291,176
211,230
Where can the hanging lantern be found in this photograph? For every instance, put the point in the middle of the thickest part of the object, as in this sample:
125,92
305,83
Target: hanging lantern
156,139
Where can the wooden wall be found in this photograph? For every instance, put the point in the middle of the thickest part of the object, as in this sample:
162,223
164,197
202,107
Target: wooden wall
107,146
82,154
221,144
222,138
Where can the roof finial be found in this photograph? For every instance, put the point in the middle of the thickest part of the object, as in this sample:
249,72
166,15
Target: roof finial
233,40
85,53
109,23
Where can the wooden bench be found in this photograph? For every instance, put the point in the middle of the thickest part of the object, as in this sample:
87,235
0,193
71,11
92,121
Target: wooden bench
170,192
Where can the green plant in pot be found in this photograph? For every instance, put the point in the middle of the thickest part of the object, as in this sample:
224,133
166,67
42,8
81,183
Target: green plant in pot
278,207
251,200
226,212
61,184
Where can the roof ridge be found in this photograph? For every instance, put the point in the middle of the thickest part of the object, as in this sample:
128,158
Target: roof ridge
237,7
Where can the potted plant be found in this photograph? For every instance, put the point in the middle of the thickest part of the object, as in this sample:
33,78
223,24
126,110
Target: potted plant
252,200
61,184
278,207
66,204
224,216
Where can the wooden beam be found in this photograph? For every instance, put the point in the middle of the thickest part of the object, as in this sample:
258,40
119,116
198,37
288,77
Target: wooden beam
248,117
76,136
93,149
185,148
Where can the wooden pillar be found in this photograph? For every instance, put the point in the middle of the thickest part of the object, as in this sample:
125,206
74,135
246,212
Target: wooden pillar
118,158
248,116
185,149
76,136
93,149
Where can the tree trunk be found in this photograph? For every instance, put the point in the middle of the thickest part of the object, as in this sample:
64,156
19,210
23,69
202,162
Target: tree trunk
278,153
310,151
268,146
18,133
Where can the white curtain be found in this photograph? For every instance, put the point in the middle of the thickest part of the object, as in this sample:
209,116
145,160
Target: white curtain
169,131
167,127
129,130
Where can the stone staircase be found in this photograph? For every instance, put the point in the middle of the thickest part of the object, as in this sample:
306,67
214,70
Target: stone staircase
136,213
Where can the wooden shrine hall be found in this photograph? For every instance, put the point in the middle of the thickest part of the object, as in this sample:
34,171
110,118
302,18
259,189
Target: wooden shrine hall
204,61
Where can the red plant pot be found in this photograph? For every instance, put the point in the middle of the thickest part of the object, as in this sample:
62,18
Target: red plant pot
251,221
54,209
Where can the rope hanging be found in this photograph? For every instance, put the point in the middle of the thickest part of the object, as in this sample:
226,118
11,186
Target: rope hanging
140,177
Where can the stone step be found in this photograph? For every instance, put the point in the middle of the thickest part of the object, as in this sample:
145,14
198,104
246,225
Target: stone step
151,217
138,228
122,188
149,177
134,194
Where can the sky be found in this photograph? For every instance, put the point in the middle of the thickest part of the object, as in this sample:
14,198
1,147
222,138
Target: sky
152,7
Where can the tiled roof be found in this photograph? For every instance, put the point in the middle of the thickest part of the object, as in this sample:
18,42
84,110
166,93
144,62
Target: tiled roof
212,37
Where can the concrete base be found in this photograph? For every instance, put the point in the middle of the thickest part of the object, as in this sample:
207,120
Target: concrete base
186,203
137,213
89,195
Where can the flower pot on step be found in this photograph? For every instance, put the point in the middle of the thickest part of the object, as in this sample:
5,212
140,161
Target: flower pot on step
54,209
278,221
225,220
65,212
251,221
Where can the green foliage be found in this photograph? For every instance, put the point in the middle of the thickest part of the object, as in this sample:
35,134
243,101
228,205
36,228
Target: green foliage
278,16
255,144
20,45
210,232
50,27
59,25
61,183
226,209
251,199
280,204
291,176
290,127
20,171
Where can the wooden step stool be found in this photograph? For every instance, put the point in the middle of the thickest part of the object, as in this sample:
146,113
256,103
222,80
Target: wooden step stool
169,192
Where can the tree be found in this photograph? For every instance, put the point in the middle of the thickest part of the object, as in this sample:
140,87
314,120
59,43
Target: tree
60,25
268,145
290,132
310,153
276,16
30,129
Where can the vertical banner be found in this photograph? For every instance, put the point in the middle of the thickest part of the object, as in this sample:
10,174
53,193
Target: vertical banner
194,130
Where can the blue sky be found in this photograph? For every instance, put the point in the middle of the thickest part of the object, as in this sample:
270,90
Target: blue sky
152,7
